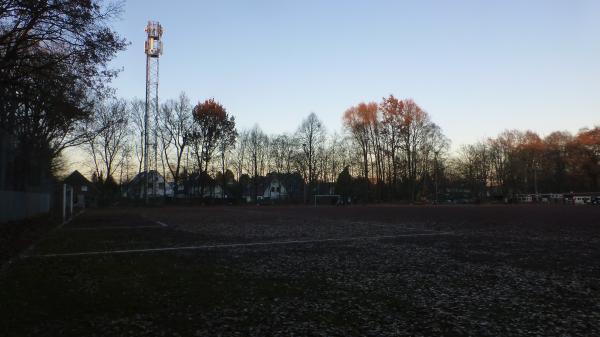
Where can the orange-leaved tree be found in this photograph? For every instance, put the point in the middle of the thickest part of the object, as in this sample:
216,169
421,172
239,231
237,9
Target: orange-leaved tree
211,124
358,120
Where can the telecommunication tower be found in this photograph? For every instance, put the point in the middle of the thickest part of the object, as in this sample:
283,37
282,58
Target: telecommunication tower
153,49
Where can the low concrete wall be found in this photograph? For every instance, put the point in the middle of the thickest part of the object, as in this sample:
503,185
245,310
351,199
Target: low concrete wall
20,205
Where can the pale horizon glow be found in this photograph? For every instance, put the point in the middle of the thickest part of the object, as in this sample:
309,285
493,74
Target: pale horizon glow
477,67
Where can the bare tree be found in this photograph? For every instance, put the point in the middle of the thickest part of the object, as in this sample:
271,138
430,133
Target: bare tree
311,135
241,153
136,116
107,140
282,150
473,166
392,121
225,143
176,125
415,132
335,158
125,163
257,142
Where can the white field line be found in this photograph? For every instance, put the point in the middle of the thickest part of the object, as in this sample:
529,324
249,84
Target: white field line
25,253
400,226
235,245
160,223
108,227
392,226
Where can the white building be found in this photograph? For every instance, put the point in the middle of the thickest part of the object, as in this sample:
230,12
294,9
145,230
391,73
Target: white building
157,186
274,190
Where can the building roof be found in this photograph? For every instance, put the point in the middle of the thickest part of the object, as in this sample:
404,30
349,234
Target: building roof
152,175
77,179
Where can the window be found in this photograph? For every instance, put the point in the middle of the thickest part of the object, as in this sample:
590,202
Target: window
272,189
278,189
84,189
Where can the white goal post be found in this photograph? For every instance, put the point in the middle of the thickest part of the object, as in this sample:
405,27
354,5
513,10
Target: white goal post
330,196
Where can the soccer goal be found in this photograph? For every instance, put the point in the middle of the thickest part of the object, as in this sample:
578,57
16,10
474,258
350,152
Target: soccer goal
327,199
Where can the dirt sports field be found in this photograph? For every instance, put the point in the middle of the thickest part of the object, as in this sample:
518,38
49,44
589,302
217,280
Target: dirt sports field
305,271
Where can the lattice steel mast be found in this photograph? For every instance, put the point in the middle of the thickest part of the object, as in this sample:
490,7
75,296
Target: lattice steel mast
153,49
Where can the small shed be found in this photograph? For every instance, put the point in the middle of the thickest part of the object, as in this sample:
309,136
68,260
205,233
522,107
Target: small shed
84,192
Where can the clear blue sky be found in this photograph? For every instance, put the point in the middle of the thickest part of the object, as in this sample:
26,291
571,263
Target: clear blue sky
478,67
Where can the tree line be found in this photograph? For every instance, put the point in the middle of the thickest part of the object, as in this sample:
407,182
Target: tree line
390,150
523,162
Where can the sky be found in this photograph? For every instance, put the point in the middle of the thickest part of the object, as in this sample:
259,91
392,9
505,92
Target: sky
477,67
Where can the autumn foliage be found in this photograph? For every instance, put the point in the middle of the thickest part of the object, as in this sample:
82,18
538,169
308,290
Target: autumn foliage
398,143
212,126
523,162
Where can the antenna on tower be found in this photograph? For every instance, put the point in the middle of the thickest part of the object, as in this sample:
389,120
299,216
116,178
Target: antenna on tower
153,49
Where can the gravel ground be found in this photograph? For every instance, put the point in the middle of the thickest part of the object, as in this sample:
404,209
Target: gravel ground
503,270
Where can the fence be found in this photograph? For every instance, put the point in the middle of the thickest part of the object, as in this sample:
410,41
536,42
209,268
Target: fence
20,196
16,205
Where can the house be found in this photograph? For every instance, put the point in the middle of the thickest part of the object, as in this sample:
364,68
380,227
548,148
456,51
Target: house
180,189
157,186
214,191
84,192
276,187
192,186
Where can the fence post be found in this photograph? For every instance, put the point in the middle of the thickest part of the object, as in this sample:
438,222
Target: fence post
71,196
64,200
